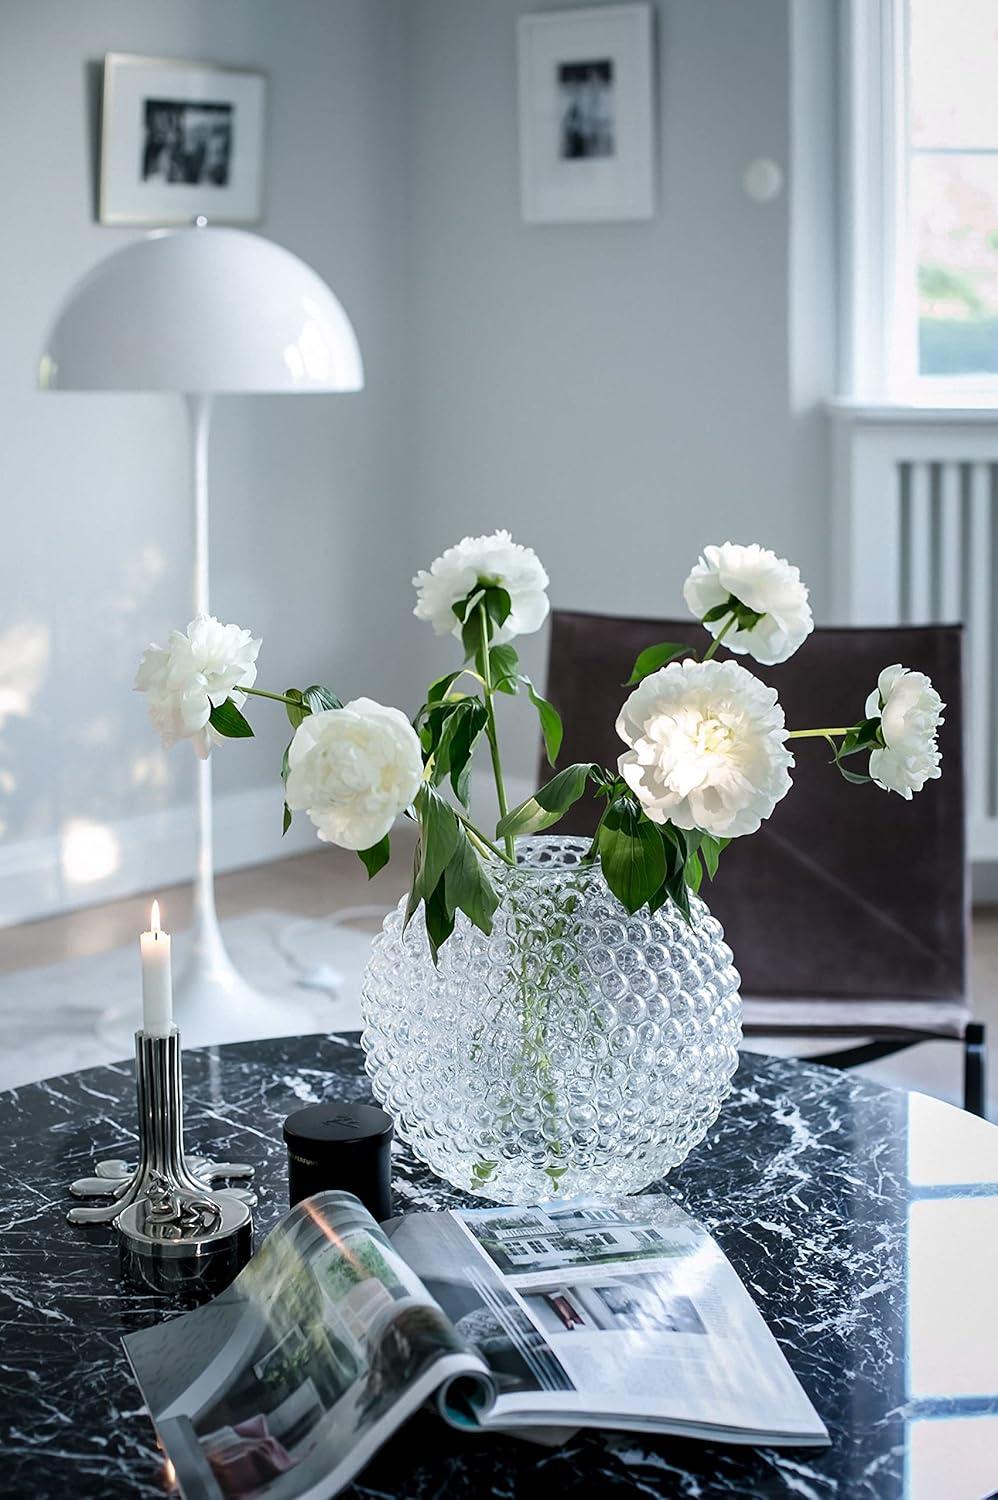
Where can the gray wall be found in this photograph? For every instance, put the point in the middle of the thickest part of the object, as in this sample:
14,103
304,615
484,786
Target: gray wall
95,559
619,395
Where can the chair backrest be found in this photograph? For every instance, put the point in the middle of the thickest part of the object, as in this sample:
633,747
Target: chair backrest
846,891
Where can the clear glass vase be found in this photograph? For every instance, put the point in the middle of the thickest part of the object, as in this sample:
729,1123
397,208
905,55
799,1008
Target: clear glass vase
576,1050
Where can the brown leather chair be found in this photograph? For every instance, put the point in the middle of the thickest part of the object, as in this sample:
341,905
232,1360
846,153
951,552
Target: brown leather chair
848,911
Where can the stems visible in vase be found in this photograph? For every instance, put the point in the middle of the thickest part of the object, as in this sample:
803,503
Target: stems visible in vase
488,693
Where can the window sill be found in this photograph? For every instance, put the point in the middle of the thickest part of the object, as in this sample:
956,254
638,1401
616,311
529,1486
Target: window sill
981,409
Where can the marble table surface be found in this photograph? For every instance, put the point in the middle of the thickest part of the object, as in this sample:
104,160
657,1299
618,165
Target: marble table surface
863,1220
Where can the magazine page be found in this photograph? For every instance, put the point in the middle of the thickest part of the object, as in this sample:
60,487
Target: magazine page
621,1313
287,1383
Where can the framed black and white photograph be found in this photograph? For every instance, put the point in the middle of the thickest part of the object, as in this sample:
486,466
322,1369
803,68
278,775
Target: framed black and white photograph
180,140
587,115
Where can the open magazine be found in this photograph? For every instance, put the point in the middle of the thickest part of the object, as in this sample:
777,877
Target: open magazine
614,1313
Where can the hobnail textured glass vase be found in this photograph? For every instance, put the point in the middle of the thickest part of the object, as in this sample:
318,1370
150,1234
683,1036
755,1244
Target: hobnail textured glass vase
576,1050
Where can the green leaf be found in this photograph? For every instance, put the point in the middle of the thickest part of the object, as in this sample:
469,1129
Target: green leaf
295,711
467,888
439,921
472,639
495,602
227,719
441,686
429,724
317,699
653,657
551,725
439,834
679,894
465,608
710,852
717,613
287,820
498,604
468,732
693,872
745,618
415,894
504,667
691,839
679,867
854,777
377,856
549,804
286,762
631,854
452,732
865,736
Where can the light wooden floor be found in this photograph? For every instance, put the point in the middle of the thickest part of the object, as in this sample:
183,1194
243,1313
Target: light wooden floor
308,885
326,880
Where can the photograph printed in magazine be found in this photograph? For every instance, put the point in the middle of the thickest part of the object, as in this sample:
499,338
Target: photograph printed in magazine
621,1313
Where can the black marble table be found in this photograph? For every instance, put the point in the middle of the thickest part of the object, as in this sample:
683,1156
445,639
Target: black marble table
864,1221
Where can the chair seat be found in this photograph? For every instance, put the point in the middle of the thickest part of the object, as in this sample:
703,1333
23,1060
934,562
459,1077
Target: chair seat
791,1016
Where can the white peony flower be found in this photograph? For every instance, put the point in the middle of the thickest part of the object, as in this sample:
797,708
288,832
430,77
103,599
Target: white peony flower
767,584
353,770
910,712
707,747
496,560
195,673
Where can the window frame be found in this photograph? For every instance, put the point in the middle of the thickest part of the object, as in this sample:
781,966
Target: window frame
879,344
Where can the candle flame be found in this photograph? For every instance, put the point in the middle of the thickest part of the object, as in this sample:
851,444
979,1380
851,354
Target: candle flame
154,919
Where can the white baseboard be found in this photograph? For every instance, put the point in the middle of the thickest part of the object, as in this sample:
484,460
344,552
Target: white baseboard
92,861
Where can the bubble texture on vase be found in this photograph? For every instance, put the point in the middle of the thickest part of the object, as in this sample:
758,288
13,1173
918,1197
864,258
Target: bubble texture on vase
577,1049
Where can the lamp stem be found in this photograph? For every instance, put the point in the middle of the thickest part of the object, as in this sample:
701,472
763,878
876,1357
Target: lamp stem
199,421
207,937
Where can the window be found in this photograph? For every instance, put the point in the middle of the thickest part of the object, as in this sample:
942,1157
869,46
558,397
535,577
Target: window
921,193
952,160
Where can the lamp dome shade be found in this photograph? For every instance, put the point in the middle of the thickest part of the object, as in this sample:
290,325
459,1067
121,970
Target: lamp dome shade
201,310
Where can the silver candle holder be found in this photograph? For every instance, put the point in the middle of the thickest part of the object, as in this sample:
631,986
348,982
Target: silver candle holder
174,1224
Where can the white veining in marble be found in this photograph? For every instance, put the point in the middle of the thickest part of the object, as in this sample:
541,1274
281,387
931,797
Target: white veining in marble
810,1180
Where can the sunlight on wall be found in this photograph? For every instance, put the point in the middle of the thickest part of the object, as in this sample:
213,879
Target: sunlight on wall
139,574
24,659
151,770
100,733
89,852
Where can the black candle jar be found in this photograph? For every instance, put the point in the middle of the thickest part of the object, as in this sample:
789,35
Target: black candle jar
341,1145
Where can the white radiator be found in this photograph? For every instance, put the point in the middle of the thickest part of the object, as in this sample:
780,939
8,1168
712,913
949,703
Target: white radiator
915,541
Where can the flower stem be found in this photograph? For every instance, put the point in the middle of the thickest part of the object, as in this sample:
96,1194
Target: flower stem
814,734
262,693
712,648
477,837
490,728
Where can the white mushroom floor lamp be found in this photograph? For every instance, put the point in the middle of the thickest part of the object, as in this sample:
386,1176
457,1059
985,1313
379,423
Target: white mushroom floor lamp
200,312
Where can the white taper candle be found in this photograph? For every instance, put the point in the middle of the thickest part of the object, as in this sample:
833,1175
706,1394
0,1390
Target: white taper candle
157,982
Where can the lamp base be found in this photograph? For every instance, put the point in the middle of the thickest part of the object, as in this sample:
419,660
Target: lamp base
213,1003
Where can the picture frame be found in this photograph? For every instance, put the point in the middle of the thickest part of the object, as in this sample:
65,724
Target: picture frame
587,107
180,141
